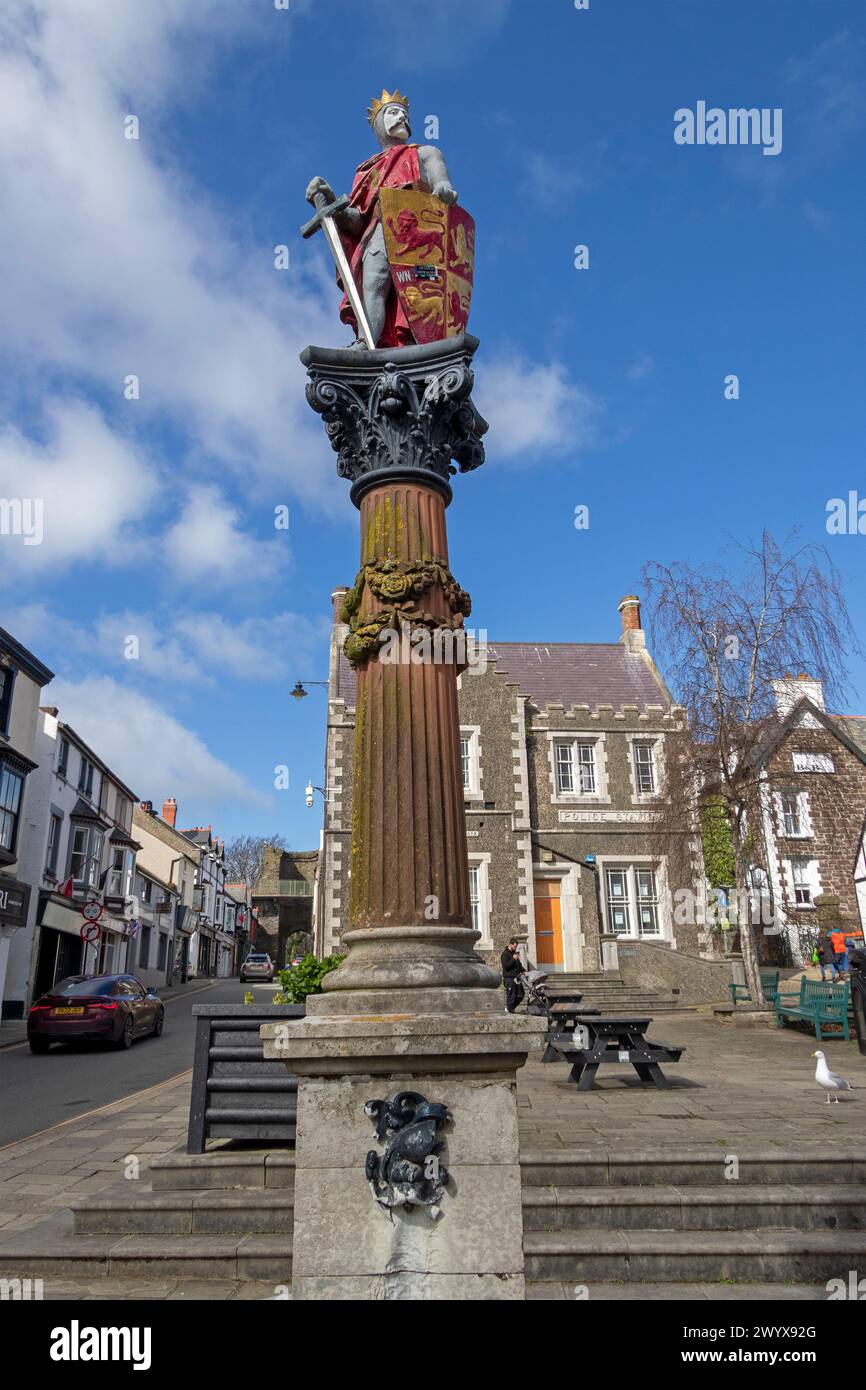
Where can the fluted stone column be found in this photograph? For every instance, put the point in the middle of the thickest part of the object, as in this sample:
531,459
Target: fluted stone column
412,1009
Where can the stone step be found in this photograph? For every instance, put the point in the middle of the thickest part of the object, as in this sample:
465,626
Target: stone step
573,1167
177,1172
139,1256
258,1211
729,1208
731,1292
587,1256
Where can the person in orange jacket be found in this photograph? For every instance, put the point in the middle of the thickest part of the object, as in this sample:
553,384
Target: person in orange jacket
840,949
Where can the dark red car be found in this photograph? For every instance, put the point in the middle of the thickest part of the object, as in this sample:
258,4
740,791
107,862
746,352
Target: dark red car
110,1008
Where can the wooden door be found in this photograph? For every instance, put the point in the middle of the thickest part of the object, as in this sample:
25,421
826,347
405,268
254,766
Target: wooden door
548,922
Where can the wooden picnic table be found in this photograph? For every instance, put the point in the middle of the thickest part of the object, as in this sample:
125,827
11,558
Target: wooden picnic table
563,1015
595,1039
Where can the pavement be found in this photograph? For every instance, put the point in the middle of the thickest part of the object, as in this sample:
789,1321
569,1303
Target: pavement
741,1090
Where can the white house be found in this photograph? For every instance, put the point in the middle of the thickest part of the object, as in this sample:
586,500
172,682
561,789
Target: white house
22,678
79,828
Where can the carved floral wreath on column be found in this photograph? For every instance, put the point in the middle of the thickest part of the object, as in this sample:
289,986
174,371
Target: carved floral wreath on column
398,583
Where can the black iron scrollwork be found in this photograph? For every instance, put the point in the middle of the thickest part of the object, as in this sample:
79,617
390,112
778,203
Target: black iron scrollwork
410,1172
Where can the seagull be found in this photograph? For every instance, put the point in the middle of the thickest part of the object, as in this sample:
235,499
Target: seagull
828,1079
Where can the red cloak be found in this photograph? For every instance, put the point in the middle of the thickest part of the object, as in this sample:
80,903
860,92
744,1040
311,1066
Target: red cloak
395,167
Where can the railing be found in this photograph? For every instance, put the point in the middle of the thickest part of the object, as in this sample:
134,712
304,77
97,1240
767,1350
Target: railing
294,888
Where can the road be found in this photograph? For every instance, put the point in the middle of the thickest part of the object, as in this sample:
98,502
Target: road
37,1092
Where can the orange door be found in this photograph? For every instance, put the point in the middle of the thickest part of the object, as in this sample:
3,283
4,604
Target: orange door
548,922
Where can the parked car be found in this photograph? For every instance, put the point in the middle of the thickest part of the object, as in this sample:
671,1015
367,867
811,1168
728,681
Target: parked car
111,1008
257,966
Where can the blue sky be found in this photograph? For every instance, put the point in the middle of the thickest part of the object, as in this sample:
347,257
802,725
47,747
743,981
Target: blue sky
603,387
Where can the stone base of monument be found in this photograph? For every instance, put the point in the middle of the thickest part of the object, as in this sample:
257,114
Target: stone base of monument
465,1243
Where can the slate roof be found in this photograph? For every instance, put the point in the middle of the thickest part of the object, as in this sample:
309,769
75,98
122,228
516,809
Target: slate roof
854,726
566,673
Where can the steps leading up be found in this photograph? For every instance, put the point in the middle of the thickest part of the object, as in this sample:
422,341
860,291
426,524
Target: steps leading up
257,1211
260,1257
610,993
642,1220
661,1208
223,1169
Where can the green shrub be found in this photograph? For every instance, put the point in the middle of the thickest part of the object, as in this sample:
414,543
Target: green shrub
304,978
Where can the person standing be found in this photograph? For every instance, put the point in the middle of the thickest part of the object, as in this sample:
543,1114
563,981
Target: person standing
827,957
512,969
840,948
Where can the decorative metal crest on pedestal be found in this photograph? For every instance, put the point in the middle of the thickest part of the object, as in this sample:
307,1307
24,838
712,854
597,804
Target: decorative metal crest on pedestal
409,1173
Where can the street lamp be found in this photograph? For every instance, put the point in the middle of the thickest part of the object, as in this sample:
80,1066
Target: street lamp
309,789
299,693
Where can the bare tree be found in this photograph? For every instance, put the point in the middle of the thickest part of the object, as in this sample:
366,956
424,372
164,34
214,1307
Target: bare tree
245,856
723,640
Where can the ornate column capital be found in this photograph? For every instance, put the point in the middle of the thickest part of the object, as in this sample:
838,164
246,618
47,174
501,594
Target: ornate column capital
398,413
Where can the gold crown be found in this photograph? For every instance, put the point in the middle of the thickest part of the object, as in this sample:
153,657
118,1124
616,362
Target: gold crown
387,99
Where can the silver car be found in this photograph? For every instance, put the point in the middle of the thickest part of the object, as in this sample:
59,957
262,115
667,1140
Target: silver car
257,967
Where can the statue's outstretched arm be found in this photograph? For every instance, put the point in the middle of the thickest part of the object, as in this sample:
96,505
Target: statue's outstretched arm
348,219
434,170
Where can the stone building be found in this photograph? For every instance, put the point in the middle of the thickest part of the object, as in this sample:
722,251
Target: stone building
79,826
283,901
813,770
564,749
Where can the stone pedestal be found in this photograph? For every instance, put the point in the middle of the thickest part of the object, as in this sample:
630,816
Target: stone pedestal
345,1245
412,1009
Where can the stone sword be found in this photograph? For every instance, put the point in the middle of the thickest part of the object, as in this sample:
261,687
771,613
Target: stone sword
324,218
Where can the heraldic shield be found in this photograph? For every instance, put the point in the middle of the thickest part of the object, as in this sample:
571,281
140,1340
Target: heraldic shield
431,250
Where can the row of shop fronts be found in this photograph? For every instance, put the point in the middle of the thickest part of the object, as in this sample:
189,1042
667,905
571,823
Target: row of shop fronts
90,880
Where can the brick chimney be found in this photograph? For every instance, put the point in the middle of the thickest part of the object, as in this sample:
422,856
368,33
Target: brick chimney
147,807
169,811
337,598
632,632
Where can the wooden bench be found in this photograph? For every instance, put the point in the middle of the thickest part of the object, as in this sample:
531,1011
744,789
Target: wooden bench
819,1004
769,984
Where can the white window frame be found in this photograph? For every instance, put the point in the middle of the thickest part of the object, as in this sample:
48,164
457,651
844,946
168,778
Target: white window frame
812,881
802,812
479,863
472,734
52,849
634,899
91,856
575,742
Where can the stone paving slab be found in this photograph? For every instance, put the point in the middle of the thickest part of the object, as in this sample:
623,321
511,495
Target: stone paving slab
668,1293
755,1090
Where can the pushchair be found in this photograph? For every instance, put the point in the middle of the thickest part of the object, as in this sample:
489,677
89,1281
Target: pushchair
534,984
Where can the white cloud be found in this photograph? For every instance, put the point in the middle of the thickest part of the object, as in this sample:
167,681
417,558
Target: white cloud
534,409
94,486
201,647
113,262
148,748
207,544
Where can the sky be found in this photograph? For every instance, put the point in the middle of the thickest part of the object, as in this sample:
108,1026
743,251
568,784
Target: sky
174,612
